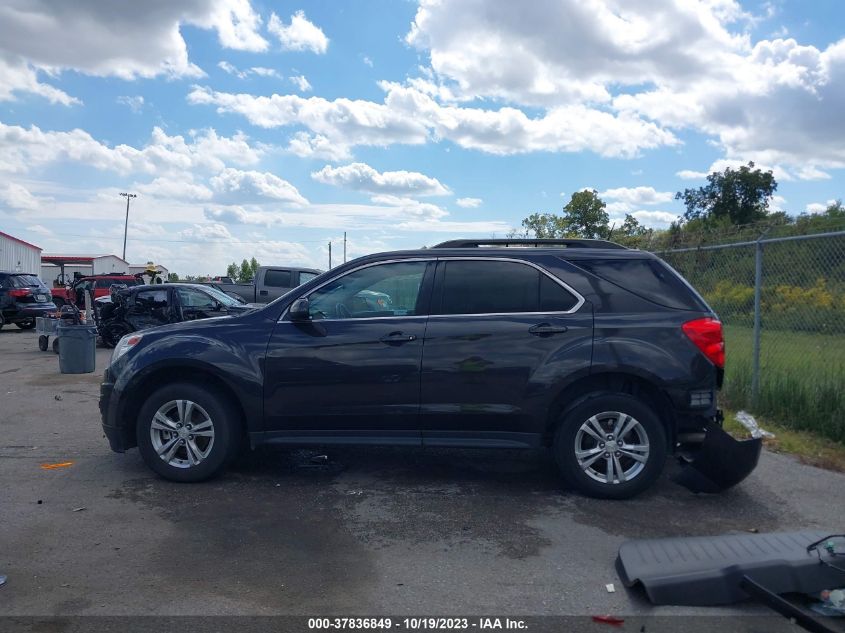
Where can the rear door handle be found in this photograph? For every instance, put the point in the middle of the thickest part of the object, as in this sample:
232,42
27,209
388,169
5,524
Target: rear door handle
398,338
263,293
546,329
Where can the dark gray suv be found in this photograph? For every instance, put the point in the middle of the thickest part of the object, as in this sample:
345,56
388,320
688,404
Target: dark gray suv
602,354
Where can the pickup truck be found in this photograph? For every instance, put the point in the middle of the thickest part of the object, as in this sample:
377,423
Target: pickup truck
270,283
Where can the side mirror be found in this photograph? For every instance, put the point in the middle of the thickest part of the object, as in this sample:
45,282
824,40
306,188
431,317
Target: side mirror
300,310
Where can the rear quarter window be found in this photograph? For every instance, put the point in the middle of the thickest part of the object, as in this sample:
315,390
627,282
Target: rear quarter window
650,279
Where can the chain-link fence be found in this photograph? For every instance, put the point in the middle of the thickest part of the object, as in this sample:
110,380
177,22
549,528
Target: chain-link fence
782,302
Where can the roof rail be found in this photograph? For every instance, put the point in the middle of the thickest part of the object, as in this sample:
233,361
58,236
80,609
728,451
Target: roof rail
530,243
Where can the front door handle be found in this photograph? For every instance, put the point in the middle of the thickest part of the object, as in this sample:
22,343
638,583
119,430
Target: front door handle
546,329
263,293
398,338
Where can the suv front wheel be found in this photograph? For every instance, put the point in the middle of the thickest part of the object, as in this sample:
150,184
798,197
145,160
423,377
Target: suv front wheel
610,446
186,433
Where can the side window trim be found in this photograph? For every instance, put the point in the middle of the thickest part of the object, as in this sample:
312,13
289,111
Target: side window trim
438,290
427,275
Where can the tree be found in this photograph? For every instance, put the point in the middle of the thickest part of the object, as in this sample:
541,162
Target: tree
741,196
245,272
583,216
254,266
172,277
233,271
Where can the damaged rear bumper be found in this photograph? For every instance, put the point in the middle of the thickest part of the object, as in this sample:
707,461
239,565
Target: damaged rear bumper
719,462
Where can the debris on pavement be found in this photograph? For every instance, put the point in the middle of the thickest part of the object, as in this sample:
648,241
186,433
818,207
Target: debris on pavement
832,603
58,396
747,420
2,580
79,509
54,466
610,588
608,619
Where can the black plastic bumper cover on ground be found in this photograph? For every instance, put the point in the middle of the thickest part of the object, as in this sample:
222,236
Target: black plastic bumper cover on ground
709,570
720,462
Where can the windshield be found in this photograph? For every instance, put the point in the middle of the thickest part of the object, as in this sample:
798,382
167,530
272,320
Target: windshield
222,297
24,281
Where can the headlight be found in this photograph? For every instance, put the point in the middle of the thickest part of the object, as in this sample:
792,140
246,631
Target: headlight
125,344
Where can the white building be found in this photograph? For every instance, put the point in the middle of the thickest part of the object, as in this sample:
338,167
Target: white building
18,256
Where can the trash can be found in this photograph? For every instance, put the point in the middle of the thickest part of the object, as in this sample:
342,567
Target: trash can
77,348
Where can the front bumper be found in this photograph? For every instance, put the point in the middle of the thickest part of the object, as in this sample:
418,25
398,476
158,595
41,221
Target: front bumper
115,434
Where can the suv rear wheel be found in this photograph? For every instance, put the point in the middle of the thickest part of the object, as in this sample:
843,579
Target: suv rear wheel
610,446
186,433
26,325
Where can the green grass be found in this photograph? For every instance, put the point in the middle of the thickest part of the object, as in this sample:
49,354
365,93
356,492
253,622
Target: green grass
808,447
802,379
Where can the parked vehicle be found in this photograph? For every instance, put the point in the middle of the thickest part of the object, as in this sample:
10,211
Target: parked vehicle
23,297
270,283
99,284
137,308
603,354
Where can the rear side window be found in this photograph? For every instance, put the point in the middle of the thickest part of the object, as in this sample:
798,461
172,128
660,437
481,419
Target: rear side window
277,279
650,279
495,287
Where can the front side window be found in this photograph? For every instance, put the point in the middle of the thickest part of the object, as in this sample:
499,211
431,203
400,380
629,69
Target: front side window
498,287
147,300
193,298
383,290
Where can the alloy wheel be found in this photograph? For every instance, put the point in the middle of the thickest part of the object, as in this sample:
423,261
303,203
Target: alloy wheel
182,433
612,447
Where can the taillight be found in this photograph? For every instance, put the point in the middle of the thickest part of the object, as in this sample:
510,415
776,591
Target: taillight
19,292
707,336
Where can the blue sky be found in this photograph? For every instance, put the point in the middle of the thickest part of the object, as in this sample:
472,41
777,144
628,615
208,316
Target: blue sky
268,128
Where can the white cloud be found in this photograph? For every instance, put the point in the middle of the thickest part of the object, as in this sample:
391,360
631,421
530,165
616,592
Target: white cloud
206,233
655,219
241,186
318,146
677,63
299,35
637,195
367,61
19,76
134,103
362,177
16,196
409,116
302,84
550,52
819,207
469,203
259,71
180,187
689,174
126,40
24,149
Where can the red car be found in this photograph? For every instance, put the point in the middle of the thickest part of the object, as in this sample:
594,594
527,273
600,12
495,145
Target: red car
100,284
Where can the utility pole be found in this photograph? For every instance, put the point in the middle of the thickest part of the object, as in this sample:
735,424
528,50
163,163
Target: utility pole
330,255
128,196
344,247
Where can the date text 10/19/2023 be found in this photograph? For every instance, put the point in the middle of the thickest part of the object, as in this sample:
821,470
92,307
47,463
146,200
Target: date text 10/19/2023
417,623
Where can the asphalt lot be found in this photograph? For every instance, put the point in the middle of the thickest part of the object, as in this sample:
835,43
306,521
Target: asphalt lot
373,531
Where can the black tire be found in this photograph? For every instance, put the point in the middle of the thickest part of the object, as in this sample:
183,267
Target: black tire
56,345
2,321
226,427
58,302
43,343
602,405
26,325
